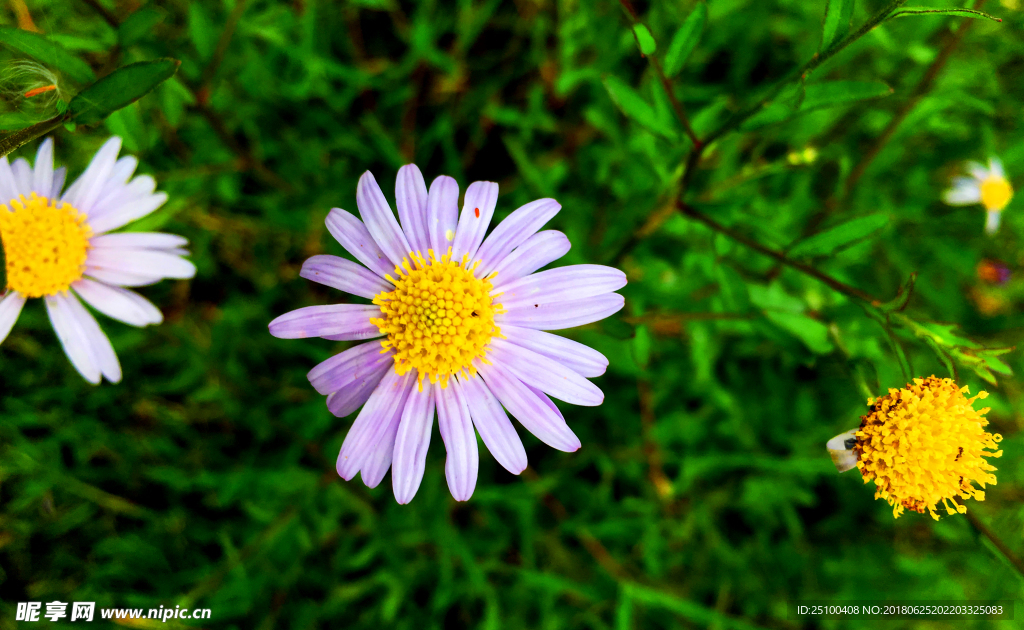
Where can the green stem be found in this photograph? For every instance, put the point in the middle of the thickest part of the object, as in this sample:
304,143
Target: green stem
23,136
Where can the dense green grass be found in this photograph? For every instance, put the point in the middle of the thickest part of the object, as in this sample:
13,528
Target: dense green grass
703,496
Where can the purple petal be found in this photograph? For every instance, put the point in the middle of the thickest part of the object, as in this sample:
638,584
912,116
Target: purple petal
379,460
442,214
345,401
355,238
120,304
380,220
582,359
493,425
575,282
541,249
547,375
477,210
22,175
372,422
530,409
559,315
456,425
412,442
10,308
342,322
513,232
58,182
344,275
411,199
347,368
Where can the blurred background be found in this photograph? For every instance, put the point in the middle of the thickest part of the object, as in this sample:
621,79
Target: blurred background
703,496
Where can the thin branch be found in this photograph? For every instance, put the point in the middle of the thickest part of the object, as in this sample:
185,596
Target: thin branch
676,104
831,282
920,91
107,16
997,541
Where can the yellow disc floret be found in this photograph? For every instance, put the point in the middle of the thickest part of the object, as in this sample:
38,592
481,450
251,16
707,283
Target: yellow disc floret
926,444
45,245
996,193
439,317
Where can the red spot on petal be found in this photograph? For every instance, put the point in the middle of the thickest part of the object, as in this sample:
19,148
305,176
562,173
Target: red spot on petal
476,211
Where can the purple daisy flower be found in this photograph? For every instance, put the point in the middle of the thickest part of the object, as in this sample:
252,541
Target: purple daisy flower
462,319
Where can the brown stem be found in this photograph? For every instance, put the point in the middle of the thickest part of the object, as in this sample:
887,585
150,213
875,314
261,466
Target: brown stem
107,16
998,542
831,282
222,45
676,105
920,91
647,420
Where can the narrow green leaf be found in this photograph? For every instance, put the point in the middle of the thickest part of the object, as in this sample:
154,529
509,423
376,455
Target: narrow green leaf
644,40
830,240
201,30
817,96
836,25
16,120
968,13
47,52
899,302
119,88
813,333
634,106
685,40
138,25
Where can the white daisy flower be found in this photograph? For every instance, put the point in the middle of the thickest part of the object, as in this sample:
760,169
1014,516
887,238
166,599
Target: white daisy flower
58,246
987,186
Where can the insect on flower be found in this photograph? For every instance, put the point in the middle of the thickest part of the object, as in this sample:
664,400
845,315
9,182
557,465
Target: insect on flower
462,319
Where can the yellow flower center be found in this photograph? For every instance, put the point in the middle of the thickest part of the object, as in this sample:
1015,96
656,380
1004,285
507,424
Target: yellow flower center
996,193
924,444
45,245
439,317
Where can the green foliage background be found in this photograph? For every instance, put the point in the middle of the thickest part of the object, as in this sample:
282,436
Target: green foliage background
702,497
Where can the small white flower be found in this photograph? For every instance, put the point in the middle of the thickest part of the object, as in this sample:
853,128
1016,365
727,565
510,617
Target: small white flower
59,246
987,186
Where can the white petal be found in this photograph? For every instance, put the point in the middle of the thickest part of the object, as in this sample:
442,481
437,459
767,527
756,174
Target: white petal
120,278
978,171
22,176
141,262
10,309
120,304
72,338
965,191
98,342
42,176
128,212
90,183
992,221
995,166
8,186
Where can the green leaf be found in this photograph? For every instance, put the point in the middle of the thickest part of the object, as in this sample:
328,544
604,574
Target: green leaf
16,120
732,288
642,343
838,17
47,52
634,106
644,40
685,40
138,25
201,30
813,333
817,96
968,13
828,241
899,302
119,88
